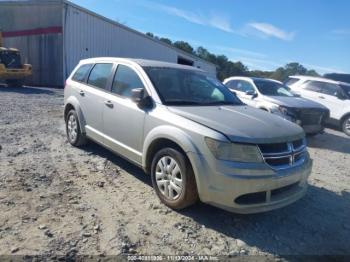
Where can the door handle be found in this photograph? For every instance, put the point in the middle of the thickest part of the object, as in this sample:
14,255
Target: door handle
109,104
81,93
322,97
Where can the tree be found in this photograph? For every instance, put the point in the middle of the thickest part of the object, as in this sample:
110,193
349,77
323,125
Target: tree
166,40
226,68
289,69
184,46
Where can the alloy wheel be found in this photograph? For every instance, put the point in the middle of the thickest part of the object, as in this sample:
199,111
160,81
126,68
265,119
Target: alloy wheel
72,127
169,178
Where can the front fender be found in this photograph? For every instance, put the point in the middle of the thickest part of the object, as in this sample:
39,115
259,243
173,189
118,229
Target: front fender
73,101
186,143
168,132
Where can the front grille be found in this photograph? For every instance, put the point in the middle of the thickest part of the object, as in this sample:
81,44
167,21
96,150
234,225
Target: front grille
311,116
284,155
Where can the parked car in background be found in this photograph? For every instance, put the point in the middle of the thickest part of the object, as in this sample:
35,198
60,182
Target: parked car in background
274,97
189,132
334,95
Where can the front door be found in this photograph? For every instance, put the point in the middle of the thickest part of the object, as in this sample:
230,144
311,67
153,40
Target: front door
123,119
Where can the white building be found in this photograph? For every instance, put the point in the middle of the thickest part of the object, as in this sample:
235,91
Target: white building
53,35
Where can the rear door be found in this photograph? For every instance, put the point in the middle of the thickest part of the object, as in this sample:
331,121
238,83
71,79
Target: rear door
92,98
325,94
123,119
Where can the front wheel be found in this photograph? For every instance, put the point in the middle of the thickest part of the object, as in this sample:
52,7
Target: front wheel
73,130
346,125
173,179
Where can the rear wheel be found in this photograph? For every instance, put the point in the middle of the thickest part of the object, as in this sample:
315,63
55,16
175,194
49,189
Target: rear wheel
14,83
346,125
74,134
173,179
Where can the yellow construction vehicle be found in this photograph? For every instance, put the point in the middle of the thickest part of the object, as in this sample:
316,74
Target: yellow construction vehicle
12,71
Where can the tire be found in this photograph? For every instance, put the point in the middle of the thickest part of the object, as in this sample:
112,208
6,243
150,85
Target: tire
14,83
346,125
164,186
74,135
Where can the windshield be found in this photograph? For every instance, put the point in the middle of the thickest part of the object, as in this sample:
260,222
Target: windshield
272,88
188,87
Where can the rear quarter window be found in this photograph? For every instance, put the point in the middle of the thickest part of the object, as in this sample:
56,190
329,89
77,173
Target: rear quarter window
81,73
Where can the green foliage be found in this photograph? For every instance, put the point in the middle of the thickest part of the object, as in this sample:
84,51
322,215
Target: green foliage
226,68
184,46
166,40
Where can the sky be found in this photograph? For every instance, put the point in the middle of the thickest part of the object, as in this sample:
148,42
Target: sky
263,34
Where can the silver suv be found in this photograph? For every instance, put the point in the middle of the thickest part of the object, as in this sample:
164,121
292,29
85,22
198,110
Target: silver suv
194,137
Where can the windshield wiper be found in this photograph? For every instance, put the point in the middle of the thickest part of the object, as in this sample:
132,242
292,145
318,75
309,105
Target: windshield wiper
182,102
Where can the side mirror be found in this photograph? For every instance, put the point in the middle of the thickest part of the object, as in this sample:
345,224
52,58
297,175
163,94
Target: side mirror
137,94
251,93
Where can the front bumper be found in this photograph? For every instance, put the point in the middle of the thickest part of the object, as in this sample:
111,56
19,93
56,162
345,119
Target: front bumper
249,188
312,120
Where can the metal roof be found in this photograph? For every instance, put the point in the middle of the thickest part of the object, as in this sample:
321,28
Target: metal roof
16,2
141,62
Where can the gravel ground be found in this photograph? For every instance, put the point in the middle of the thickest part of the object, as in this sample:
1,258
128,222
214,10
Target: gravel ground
59,200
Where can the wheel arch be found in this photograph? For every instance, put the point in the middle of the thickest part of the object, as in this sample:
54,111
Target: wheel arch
172,137
73,103
344,117
165,136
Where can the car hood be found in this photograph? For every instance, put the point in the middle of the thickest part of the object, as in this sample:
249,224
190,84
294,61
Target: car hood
242,123
294,102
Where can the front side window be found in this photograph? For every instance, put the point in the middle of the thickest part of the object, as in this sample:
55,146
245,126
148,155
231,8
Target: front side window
99,75
125,80
232,84
245,86
81,73
313,86
189,87
272,88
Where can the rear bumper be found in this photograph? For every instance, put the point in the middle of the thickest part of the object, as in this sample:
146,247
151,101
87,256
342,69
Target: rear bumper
250,189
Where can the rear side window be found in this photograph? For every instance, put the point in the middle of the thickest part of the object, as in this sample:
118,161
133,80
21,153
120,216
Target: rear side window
330,89
99,75
81,73
125,80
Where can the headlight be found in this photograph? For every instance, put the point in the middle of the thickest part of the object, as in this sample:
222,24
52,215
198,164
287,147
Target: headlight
279,110
234,151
